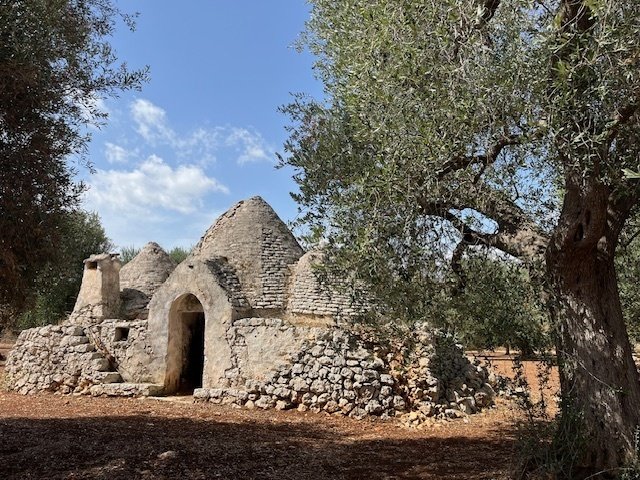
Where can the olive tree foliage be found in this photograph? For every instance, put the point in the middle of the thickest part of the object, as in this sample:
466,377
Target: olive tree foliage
628,268
58,281
178,254
452,125
128,253
55,64
498,307
412,148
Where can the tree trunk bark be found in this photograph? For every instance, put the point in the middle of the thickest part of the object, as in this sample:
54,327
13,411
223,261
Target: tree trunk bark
599,380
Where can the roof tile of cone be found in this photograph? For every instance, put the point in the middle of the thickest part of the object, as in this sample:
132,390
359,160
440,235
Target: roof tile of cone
309,297
258,245
147,270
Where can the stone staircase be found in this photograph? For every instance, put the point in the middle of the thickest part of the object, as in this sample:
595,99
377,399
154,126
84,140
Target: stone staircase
65,359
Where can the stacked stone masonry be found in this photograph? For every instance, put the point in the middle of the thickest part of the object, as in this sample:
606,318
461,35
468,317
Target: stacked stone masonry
57,358
220,268
337,373
141,278
275,259
258,245
125,345
309,296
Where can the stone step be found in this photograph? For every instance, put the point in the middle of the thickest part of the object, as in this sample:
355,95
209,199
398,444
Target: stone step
107,377
126,390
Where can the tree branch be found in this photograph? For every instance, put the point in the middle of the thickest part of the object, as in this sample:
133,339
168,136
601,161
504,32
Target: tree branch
489,8
575,14
460,163
456,267
623,115
517,234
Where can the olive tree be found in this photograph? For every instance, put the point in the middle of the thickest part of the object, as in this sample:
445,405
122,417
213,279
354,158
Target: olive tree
58,281
498,124
55,64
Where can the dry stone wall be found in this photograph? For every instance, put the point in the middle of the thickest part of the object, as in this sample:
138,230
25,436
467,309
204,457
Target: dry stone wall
274,364
275,259
437,378
228,280
57,358
338,372
259,346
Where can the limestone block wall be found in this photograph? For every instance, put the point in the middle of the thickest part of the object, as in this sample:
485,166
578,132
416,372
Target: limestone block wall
261,346
275,259
57,358
226,277
127,346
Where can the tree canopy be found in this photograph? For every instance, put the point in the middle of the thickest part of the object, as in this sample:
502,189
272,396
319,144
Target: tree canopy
484,124
58,281
55,66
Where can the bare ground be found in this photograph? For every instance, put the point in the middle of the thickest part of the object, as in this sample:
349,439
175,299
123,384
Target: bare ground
67,437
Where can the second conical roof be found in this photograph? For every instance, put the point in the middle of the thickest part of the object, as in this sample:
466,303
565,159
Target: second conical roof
147,270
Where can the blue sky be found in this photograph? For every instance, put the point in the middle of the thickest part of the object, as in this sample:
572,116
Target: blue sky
202,134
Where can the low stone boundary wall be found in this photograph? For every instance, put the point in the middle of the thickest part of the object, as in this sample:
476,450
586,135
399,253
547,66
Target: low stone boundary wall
339,373
56,358
331,370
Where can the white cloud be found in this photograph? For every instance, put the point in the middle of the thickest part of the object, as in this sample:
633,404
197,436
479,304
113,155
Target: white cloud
141,196
203,144
153,185
151,122
253,148
117,154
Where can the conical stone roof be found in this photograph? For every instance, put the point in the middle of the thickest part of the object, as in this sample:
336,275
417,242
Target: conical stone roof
147,270
307,296
259,247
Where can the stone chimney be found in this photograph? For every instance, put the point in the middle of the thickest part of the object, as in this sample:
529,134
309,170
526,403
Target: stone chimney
99,296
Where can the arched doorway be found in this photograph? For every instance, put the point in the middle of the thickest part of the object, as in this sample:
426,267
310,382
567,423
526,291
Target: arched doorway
185,355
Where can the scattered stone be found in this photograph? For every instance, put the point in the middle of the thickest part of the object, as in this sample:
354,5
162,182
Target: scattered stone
168,456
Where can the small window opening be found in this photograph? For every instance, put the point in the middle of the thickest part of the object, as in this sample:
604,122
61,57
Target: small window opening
92,265
121,334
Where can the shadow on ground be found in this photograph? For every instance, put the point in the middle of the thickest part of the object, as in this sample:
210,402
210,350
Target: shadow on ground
133,447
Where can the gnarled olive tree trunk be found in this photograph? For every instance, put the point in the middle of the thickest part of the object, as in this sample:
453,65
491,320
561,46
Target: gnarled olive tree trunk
599,380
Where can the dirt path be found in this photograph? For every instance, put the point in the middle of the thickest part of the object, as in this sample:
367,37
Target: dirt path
57,437
70,437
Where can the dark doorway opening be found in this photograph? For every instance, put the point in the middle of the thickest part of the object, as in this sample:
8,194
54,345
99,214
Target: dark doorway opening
193,355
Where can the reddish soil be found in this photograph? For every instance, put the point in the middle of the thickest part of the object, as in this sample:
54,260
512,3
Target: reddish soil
541,380
68,437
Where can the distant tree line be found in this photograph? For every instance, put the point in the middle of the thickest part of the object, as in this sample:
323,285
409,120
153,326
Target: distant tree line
178,254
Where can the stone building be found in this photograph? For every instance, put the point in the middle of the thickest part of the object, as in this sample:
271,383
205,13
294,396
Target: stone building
242,320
